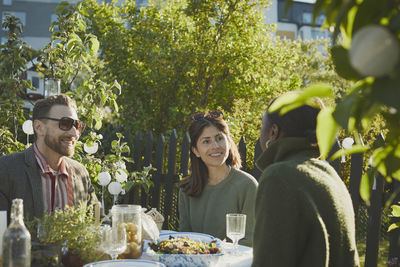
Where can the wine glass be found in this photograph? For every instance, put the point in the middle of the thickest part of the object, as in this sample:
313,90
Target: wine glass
113,240
235,228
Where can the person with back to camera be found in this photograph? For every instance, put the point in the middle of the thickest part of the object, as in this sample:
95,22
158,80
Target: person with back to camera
215,186
304,213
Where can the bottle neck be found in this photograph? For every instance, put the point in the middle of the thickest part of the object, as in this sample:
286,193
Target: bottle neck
17,213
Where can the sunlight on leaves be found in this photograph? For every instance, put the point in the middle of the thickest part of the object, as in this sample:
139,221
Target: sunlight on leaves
327,129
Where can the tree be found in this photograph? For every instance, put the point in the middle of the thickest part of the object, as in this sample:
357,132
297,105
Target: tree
367,53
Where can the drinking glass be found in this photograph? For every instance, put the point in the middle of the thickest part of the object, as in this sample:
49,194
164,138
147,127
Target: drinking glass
113,240
235,228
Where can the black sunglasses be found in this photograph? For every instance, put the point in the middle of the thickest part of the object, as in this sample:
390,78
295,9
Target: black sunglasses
211,114
66,123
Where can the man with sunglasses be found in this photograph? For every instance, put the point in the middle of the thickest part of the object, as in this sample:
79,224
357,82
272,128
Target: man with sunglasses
43,175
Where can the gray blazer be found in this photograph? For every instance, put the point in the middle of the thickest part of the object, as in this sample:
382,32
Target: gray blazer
20,178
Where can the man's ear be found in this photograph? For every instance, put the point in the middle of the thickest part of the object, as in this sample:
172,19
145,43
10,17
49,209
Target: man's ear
274,132
38,127
195,151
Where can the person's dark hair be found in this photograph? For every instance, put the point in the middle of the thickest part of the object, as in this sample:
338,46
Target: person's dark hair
299,122
194,184
42,107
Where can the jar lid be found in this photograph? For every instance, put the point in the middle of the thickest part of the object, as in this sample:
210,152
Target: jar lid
126,208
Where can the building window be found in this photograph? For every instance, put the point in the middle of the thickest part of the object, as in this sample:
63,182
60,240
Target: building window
35,82
307,18
7,2
318,34
20,15
320,19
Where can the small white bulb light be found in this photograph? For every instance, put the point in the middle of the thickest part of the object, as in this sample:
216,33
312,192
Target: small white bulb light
374,51
27,127
104,178
347,142
114,188
91,149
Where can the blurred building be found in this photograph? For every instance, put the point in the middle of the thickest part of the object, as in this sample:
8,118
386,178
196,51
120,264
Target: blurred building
297,22
37,15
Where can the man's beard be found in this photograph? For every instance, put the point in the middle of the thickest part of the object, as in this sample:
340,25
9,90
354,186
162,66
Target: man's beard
56,145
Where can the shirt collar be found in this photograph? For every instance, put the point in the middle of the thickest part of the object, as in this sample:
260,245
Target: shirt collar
62,169
285,148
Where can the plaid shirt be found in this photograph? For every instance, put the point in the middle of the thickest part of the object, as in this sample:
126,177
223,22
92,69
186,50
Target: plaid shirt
56,185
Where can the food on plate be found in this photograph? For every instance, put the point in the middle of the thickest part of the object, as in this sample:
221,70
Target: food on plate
184,245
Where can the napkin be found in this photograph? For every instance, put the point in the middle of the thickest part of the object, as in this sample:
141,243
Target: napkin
3,226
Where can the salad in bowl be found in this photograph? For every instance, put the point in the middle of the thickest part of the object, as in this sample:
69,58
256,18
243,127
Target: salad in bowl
185,249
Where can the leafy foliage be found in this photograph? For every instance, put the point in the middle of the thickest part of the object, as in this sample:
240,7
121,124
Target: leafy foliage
372,96
14,57
74,227
70,57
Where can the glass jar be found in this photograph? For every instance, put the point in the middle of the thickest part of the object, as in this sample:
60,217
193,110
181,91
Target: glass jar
129,216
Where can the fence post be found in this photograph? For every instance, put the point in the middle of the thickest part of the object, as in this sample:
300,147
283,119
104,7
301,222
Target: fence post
243,152
394,235
158,164
374,222
335,163
356,169
146,162
169,181
137,147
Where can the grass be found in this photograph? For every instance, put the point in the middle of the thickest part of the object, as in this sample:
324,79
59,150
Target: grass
383,252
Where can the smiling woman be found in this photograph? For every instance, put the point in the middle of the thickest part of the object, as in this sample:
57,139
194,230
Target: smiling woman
215,186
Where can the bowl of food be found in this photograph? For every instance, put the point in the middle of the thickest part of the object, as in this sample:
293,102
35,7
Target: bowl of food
185,249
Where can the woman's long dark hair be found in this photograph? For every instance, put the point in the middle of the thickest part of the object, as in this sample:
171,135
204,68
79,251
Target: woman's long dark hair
194,184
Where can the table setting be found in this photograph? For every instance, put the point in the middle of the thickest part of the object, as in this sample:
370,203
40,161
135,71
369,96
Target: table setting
174,249
129,236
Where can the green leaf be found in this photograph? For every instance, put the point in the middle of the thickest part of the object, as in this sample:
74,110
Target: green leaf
344,109
386,90
327,129
354,149
94,48
393,226
395,210
366,185
98,124
128,186
295,99
341,60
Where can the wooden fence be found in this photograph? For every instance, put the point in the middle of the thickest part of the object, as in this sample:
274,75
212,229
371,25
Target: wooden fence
163,155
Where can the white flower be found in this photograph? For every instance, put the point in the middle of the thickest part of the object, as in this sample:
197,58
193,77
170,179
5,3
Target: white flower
91,149
347,142
120,164
114,188
104,178
27,127
374,51
121,176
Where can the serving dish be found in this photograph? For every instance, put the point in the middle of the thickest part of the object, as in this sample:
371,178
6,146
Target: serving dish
184,260
125,263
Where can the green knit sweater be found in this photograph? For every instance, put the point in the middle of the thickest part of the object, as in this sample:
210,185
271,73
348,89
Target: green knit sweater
206,214
304,213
